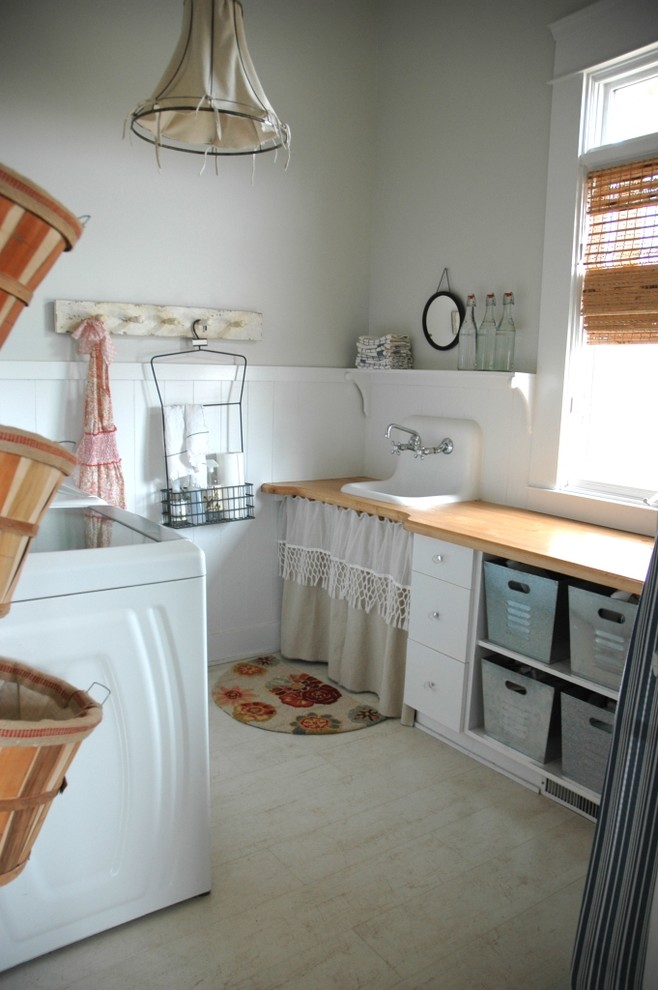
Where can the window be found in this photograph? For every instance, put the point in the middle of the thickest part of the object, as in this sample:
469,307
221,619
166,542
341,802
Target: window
621,102
595,447
614,341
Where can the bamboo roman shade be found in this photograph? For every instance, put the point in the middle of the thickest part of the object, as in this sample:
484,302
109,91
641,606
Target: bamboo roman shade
620,286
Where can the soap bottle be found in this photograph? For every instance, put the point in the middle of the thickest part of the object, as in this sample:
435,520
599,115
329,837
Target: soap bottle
486,337
505,336
467,338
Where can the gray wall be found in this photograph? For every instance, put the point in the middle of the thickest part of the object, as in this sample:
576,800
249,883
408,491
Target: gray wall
420,134
462,147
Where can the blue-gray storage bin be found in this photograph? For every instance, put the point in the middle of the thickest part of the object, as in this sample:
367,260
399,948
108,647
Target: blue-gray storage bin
600,628
586,737
527,612
520,710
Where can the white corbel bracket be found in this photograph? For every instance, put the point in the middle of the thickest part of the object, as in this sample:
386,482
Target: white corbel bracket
362,382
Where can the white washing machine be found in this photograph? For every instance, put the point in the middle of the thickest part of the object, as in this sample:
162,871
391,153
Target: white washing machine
109,599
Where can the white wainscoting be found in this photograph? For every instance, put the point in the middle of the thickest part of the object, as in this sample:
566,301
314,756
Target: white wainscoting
300,423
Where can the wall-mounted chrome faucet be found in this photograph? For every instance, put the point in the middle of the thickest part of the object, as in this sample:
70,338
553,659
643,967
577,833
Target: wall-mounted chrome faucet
415,444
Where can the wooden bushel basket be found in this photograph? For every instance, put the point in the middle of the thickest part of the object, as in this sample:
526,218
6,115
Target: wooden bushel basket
43,721
34,230
31,470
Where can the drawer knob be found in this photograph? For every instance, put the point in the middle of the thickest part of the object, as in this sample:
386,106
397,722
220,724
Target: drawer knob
430,685
435,615
438,558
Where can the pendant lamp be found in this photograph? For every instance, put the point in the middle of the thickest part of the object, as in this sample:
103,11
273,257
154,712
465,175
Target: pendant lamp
210,100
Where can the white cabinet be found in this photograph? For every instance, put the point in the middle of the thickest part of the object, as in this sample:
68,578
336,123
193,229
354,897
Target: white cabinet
435,685
442,560
439,615
439,625
443,683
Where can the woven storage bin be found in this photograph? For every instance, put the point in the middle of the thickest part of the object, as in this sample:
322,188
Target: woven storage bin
31,470
34,230
527,612
43,721
520,711
586,738
601,629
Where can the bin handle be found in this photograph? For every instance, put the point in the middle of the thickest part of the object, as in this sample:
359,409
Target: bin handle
611,616
596,723
511,686
518,586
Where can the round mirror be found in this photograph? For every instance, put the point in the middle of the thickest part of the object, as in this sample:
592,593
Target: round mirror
442,317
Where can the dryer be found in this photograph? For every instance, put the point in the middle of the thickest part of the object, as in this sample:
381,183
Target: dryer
114,604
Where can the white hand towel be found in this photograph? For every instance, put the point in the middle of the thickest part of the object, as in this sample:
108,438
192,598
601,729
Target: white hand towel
196,444
174,442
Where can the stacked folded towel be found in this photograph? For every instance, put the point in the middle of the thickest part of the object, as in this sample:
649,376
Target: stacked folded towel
391,351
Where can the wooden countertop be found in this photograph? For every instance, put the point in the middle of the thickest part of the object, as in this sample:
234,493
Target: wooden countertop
581,550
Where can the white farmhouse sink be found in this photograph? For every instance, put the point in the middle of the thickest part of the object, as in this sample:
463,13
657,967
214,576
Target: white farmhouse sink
437,479
379,491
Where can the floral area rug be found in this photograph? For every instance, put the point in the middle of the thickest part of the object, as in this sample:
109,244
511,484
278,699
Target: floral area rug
270,693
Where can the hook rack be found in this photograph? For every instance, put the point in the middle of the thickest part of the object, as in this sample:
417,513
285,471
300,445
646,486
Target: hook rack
145,320
199,341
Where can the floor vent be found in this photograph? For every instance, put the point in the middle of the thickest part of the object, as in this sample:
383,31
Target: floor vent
571,799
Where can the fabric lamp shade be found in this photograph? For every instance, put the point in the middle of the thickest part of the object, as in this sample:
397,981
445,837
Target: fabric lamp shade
210,100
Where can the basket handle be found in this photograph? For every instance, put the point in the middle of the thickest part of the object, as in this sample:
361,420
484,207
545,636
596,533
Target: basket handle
104,687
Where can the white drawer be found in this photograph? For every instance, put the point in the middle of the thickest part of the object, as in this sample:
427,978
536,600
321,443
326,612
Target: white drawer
443,560
434,685
439,615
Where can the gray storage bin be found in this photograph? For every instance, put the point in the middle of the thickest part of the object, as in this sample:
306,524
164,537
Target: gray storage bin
600,628
520,711
527,612
586,737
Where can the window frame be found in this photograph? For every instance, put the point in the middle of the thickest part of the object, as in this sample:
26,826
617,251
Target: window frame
595,40
600,83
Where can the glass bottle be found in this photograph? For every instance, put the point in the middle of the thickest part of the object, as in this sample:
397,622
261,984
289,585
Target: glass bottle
467,338
486,337
505,336
178,506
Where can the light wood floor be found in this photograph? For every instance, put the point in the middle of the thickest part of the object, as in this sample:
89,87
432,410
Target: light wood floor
374,859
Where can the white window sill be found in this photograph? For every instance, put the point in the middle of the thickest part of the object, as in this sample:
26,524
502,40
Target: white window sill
597,510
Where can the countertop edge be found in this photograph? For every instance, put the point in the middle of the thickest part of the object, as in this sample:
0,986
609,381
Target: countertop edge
580,550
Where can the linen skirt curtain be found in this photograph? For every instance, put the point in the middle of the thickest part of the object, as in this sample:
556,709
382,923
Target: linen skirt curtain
346,597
